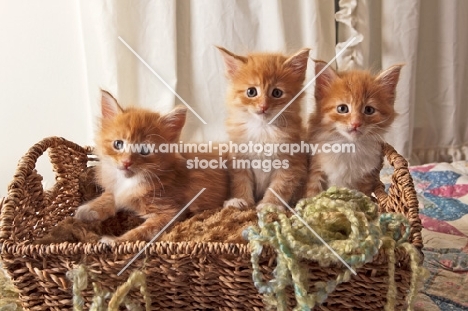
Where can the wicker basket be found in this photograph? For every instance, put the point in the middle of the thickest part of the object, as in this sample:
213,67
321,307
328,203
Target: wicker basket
181,276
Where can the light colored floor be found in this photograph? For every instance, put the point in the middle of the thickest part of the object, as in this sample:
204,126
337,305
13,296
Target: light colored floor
8,295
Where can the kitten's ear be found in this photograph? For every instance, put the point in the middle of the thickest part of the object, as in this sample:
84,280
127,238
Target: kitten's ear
298,62
173,122
324,77
389,79
233,62
109,106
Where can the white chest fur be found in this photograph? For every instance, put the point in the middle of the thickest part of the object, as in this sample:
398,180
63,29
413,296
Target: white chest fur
347,169
124,188
258,131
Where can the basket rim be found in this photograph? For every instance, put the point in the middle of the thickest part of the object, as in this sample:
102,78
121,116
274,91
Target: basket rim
141,249
125,248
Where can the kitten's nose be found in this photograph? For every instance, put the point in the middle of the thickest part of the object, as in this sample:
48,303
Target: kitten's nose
264,107
356,125
127,163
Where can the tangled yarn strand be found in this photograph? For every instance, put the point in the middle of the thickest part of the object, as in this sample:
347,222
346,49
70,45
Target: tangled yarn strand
136,279
79,277
345,219
99,299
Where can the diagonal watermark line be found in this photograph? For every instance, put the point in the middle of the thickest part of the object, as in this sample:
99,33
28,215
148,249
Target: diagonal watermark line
161,79
313,231
311,81
160,232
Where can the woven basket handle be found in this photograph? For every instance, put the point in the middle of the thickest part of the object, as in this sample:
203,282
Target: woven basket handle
401,186
401,197
27,184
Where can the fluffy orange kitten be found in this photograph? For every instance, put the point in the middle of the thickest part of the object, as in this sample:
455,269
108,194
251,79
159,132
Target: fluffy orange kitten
156,186
260,86
352,107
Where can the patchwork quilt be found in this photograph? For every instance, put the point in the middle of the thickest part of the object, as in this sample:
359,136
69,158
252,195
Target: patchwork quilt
442,190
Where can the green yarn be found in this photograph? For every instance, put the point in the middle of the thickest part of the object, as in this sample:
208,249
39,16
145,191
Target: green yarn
349,222
79,277
80,281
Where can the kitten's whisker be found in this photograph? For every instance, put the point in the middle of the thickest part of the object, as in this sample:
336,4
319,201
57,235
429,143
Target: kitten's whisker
377,136
148,178
377,123
156,167
159,180
150,173
282,118
164,170
375,130
153,166
392,126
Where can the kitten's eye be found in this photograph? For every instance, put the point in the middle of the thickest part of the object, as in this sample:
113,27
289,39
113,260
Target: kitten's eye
342,108
369,110
144,151
118,144
251,92
277,93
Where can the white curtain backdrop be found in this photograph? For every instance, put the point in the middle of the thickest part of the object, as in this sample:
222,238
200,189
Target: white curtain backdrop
430,38
177,40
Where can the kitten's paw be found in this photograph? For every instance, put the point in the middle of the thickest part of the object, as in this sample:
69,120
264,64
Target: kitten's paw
108,240
86,214
237,203
261,206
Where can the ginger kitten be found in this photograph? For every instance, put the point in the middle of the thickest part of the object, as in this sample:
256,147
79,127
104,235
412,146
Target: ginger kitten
156,186
353,107
260,86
